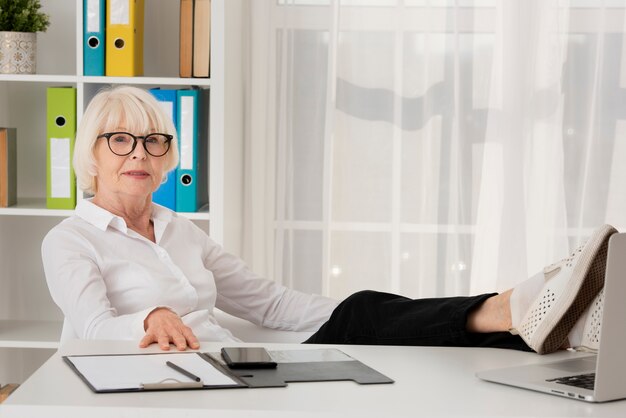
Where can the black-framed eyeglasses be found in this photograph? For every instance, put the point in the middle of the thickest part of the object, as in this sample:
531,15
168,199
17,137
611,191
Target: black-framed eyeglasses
124,143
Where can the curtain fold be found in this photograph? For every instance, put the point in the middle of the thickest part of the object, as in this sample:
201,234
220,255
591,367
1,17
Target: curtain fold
430,148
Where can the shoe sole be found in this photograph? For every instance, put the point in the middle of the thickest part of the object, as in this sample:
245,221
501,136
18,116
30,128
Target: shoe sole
588,280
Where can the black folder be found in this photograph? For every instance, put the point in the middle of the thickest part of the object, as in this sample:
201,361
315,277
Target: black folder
317,365
309,365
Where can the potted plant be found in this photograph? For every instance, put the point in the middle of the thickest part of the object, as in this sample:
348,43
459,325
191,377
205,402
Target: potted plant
20,20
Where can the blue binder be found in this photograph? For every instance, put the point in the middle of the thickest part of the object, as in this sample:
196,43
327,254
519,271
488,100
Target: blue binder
187,172
165,195
93,37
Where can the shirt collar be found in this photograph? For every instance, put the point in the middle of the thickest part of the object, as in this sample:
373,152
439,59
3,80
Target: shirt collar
161,217
102,218
160,213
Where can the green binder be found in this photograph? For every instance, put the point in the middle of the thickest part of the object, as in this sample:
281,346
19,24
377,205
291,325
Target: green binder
61,132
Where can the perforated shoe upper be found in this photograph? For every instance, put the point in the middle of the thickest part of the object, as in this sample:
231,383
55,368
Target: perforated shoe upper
570,286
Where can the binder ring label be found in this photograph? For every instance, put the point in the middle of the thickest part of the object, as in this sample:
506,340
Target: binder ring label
93,42
186,179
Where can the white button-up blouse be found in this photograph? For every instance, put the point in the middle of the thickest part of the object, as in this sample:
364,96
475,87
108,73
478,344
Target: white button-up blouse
106,278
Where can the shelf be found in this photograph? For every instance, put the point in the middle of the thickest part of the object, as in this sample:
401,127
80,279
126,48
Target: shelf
201,215
171,81
72,79
33,207
39,78
37,207
30,334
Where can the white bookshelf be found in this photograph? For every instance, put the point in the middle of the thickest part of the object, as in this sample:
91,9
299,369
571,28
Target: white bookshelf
30,333
28,317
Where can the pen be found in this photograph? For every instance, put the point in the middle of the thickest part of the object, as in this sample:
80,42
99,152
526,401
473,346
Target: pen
183,371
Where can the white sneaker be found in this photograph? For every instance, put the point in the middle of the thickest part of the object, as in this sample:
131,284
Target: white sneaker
592,317
570,286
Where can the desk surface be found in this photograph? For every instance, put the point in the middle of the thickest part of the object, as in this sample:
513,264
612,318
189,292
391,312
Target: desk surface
430,381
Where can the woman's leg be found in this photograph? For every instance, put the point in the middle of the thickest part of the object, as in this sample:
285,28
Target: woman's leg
493,315
559,297
370,317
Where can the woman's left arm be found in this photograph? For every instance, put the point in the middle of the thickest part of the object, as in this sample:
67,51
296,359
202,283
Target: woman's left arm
244,294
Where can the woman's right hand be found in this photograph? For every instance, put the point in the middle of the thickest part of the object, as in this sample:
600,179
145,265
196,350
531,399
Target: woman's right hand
163,327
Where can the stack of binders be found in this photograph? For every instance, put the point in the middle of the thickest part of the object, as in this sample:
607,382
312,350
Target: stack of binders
113,37
186,188
195,38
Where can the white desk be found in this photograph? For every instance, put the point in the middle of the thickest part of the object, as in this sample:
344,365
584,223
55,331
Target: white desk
429,382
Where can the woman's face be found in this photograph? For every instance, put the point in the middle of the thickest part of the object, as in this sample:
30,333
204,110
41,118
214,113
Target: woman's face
135,175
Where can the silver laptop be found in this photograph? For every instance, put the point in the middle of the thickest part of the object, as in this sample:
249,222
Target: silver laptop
595,378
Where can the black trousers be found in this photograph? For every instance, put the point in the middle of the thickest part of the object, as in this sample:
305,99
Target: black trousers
373,318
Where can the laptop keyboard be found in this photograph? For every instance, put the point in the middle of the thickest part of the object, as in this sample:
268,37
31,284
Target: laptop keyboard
585,381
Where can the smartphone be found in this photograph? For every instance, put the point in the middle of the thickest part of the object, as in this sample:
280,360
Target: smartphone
248,358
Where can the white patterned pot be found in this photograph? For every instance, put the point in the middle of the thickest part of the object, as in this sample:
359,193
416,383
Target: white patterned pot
18,52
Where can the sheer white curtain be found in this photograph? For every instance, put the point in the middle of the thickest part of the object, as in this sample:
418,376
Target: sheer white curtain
430,147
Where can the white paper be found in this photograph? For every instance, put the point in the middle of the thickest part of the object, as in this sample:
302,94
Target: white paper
186,132
116,372
60,167
120,12
93,15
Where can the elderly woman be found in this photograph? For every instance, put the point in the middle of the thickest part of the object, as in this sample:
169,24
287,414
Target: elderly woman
123,267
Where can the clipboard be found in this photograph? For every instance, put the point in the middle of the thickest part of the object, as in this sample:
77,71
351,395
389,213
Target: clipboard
115,373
